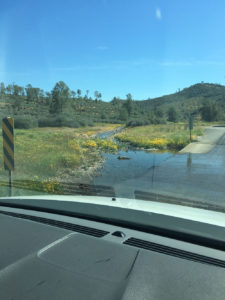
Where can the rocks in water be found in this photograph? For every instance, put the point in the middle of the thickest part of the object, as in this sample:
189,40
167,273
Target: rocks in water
123,157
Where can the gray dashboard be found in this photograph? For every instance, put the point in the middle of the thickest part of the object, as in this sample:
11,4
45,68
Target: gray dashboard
42,259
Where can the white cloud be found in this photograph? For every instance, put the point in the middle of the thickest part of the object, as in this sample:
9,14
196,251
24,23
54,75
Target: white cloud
158,14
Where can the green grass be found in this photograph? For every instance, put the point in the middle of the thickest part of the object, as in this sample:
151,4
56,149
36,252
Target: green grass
46,156
172,136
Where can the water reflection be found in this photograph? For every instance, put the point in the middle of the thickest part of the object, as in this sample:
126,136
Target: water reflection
153,169
140,165
189,160
192,176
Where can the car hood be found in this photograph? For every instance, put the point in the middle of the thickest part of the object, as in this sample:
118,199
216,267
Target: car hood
167,209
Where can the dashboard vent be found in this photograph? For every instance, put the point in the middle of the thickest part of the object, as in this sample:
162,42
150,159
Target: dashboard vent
174,252
69,226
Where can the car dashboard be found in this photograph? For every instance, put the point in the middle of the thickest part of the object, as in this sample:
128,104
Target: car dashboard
51,256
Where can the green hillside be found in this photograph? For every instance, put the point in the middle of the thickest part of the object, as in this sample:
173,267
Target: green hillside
33,107
196,98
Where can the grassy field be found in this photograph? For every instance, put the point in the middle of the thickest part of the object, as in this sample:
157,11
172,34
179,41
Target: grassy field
46,156
172,136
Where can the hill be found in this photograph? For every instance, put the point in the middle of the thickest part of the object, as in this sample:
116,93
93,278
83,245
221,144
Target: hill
31,106
190,100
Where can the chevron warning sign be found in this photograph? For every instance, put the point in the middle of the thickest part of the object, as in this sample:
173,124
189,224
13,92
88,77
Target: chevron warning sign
8,143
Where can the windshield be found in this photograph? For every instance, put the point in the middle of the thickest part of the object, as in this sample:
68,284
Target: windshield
124,99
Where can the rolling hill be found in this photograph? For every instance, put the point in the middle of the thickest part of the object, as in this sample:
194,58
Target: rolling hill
205,98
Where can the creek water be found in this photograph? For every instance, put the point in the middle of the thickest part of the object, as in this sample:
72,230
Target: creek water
118,172
185,176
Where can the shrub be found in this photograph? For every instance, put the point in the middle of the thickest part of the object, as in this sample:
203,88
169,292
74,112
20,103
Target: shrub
144,142
25,122
83,123
47,122
64,121
105,145
178,142
70,160
91,123
133,123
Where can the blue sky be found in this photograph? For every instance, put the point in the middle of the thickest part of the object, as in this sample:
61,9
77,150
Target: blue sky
148,48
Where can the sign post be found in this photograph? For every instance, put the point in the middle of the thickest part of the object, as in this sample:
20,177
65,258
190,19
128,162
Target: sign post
190,126
8,147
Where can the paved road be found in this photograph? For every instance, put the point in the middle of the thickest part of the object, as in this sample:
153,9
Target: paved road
207,142
197,176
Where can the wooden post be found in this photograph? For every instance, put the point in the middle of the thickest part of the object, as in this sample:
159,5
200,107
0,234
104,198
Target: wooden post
10,183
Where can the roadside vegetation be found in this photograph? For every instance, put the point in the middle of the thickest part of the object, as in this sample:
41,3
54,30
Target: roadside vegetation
173,136
44,157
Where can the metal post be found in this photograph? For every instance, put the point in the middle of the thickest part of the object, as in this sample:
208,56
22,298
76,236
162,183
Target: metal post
10,183
190,126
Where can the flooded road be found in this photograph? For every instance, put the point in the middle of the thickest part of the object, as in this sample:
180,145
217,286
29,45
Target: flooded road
189,176
121,173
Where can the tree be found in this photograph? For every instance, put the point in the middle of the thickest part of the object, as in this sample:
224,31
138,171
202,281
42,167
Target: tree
129,104
158,113
16,105
87,92
28,90
41,94
47,98
2,88
123,116
210,112
79,92
129,96
9,89
103,116
17,90
32,93
172,114
48,95
115,101
97,95
60,94
73,94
